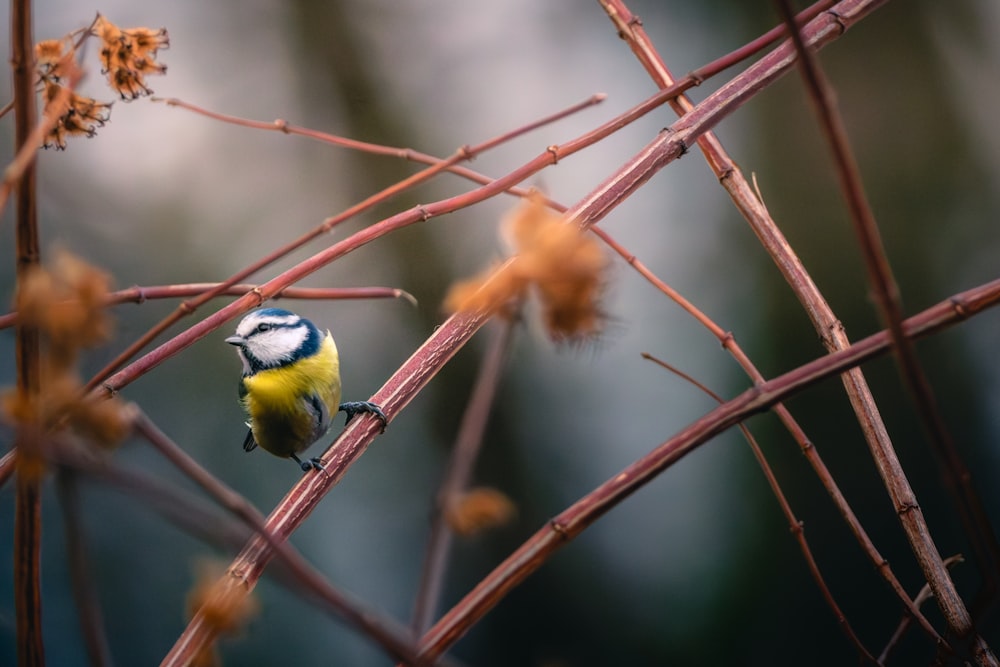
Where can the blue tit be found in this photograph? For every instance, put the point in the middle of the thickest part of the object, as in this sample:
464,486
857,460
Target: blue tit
291,383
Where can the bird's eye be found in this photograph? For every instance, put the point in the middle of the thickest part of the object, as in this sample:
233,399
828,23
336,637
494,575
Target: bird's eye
263,326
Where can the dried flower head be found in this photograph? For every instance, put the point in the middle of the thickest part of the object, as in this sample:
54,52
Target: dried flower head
566,266
479,510
52,58
66,304
223,604
128,55
82,115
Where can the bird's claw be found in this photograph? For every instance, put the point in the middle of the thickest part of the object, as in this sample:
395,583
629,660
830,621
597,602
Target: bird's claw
310,464
353,408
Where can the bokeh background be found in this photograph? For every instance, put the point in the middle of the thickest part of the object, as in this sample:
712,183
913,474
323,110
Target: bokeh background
699,567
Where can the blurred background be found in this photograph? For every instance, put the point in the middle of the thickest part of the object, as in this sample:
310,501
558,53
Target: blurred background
697,568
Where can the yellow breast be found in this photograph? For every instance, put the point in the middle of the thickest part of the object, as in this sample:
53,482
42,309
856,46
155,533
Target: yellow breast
279,401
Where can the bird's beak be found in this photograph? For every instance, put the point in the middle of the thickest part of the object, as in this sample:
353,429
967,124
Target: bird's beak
236,340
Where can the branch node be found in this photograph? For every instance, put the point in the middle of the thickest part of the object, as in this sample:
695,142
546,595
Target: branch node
554,152
831,333
679,142
695,77
559,529
959,307
838,19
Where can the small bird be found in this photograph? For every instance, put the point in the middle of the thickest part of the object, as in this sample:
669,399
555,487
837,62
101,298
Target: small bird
290,384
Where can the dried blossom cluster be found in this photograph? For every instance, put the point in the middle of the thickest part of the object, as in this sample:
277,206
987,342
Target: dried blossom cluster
76,115
127,57
478,510
223,606
66,304
566,268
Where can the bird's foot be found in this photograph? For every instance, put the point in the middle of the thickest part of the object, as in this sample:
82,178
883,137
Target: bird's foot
312,464
353,408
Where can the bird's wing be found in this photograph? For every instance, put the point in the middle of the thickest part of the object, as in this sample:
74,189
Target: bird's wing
320,413
249,444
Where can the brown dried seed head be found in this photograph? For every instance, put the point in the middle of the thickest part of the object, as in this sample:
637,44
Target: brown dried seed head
105,30
489,291
222,602
66,302
567,266
82,115
49,55
148,41
103,421
479,510
127,55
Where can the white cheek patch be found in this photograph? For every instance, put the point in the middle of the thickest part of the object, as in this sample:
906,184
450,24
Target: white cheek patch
274,347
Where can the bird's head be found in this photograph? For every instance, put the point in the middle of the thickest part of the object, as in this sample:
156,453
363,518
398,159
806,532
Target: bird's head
272,337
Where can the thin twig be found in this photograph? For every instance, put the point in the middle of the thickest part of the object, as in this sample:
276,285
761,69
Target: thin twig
140,295
347,448
809,450
923,596
562,529
437,166
196,518
826,323
27,507
729,343
392,638
7,465
455,332
887,298
794,525
85,595
462,153
27,150
459,472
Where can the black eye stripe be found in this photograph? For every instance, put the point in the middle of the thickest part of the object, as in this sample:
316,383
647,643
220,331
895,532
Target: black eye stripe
264,327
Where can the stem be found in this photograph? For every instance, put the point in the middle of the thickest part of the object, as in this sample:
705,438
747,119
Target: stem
436,167
386,634
78,556
456,478
887,298
794,525
140,295
401,388
28,510
791,267
572,521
